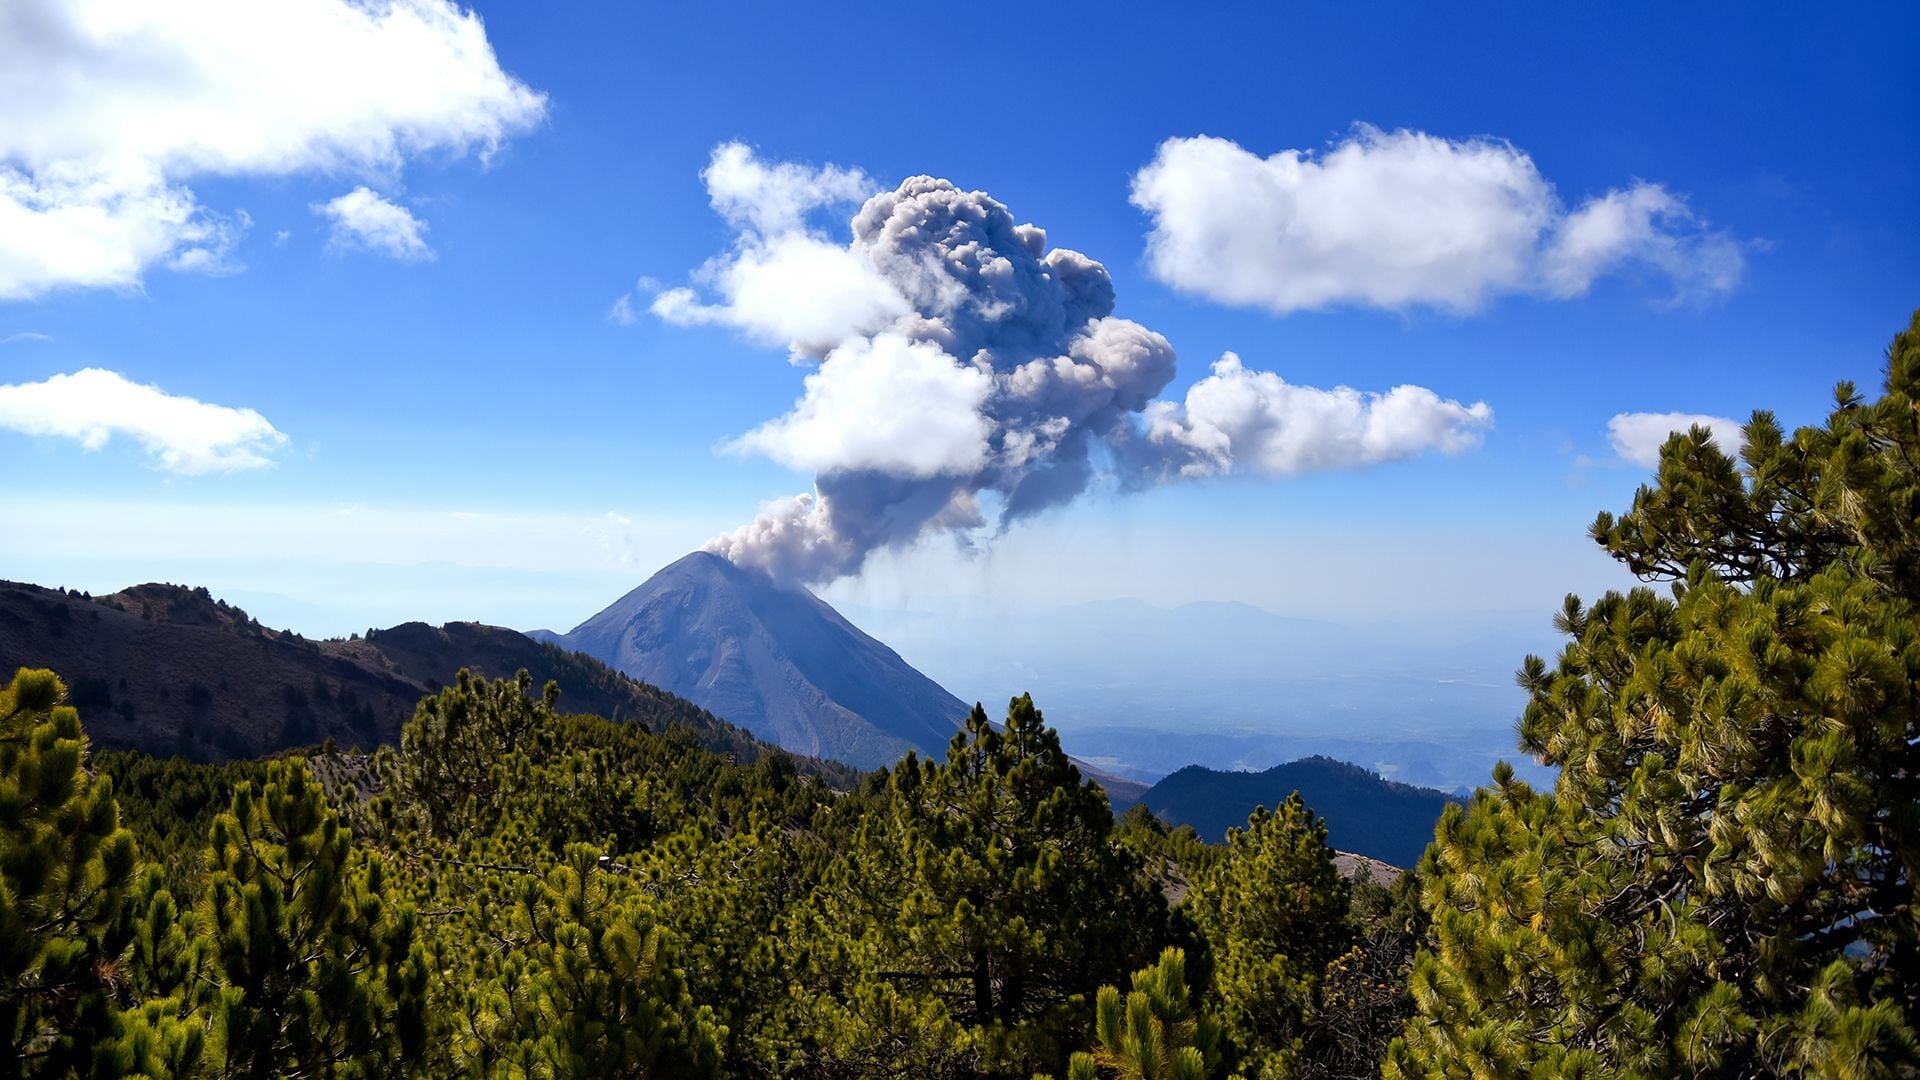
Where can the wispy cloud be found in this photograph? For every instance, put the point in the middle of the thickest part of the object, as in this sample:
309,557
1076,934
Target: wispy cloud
364,220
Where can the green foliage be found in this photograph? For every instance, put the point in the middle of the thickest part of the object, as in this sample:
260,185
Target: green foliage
317,966
493,792
1173,856
169,975
65,868
1275,911
515,892
588,987
1722,880
727,898
169,805
459,751
1153,1033
978,911
1845,493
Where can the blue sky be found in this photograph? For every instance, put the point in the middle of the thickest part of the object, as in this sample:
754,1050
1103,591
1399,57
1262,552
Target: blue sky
471,436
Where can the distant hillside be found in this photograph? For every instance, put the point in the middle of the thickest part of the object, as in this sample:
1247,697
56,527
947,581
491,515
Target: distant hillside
171,670
1365,813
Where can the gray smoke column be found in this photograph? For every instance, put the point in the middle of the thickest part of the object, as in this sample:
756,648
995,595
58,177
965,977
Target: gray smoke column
965,375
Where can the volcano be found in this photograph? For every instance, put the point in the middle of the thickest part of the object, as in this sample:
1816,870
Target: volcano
772,658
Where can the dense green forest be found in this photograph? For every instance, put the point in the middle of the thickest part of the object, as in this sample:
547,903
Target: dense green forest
1720,884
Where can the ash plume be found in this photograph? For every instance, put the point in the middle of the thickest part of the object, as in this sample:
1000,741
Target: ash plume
965,375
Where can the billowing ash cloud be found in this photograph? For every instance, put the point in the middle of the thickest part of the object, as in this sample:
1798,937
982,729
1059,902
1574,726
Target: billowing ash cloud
967,376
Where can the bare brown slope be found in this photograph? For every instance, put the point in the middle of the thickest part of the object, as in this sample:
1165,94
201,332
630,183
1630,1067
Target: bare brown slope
169,669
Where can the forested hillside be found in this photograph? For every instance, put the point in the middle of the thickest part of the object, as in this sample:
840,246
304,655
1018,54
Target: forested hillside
518,891
173,670
1721,882
1365,814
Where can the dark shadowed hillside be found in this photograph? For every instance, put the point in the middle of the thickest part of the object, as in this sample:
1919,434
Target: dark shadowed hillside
169,669
1365,813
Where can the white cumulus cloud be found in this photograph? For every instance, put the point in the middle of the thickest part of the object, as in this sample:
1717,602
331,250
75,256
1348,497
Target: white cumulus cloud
1256,419
776,198
362,220
784,282
109,109
793,289
887,403
1643,224
1638,436
1405,219
182,434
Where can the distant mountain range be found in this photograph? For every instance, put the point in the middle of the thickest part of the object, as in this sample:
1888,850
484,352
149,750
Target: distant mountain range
1365,813
171,670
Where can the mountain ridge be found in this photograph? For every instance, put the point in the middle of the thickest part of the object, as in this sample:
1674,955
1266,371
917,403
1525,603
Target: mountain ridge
1366,813
171,670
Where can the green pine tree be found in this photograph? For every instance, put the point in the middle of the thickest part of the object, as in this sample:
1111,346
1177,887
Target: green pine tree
1721,882
168,969
589,987
65,869
1152,1033
457,753
1274,911
317,967
726,897
978,910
